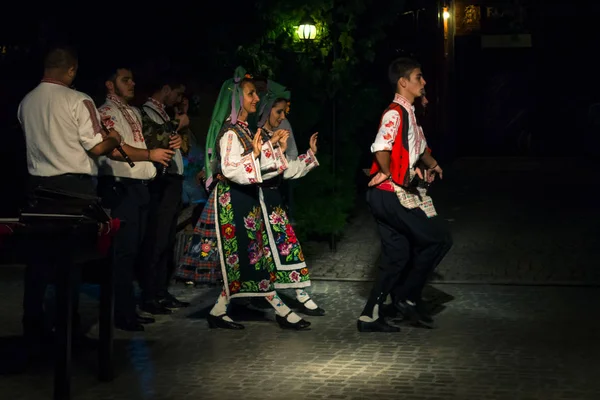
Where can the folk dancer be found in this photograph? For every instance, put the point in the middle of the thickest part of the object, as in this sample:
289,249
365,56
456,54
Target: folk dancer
242,161
404,213
291,270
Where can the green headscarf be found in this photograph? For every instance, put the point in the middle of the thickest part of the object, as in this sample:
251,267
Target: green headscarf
274,91
229,104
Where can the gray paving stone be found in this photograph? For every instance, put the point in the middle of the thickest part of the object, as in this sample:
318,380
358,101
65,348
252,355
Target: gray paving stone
509,221
494,342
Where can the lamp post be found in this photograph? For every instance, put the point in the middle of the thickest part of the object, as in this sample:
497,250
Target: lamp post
307,32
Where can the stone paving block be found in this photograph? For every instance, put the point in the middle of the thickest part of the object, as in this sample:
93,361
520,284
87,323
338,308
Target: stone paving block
508,342
501,230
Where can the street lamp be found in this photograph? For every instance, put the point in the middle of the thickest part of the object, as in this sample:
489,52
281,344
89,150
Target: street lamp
307,31
446,14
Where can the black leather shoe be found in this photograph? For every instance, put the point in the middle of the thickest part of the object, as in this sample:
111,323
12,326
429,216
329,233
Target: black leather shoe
171,302
130,326
285,324
219,322
317,312
379,325
390,312
416,314
145,320
155,308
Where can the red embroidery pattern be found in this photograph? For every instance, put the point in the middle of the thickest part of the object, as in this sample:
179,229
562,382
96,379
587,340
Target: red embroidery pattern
104,112
246,160
93,115
419,136
308,158
130,117
281,160
160,108
388,131
50,80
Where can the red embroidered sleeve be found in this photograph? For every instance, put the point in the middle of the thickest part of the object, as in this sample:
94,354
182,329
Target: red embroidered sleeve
88,124
388,129
93,115
107,117
240,169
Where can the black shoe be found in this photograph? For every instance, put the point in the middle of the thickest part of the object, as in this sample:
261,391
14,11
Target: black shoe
379,325
389,311
317,312
416,314
130,326
171,302
285,324
155,308
144,320
219,322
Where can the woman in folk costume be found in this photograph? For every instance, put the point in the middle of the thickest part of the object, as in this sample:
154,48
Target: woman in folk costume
239,162
291,271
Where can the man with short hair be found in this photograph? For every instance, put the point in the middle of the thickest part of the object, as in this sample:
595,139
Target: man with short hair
397,196
156,261
124,190
62,132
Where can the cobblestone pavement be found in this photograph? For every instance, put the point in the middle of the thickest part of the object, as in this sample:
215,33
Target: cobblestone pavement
493,342
514,220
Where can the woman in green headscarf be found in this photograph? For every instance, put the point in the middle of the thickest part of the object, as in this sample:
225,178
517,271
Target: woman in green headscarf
239,162
291,270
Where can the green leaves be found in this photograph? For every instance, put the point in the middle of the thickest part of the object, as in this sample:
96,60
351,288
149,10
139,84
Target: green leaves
330,67
346,41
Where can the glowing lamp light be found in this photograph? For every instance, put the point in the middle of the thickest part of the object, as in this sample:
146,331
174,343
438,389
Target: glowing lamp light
307,32
446,14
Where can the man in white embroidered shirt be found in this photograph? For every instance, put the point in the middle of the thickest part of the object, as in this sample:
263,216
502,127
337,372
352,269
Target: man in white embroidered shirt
156,261
413,240
124,190
62,129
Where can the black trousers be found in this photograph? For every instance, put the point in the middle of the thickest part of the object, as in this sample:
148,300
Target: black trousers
44,258
128,200
412,246
156,265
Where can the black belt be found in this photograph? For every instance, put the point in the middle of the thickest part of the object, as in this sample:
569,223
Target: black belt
72,175
176,177
128,181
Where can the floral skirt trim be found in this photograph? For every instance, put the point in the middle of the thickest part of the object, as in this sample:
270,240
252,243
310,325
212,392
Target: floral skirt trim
292,271
298,285
246,260
251,294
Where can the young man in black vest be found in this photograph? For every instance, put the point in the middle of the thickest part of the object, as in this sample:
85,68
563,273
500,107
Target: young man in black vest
156,261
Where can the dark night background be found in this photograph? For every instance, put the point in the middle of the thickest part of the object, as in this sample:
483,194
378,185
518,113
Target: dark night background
486,102
517,130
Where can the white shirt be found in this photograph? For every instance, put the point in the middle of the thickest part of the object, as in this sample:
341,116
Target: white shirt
60,125
127,121
159,116
247,170
388,129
